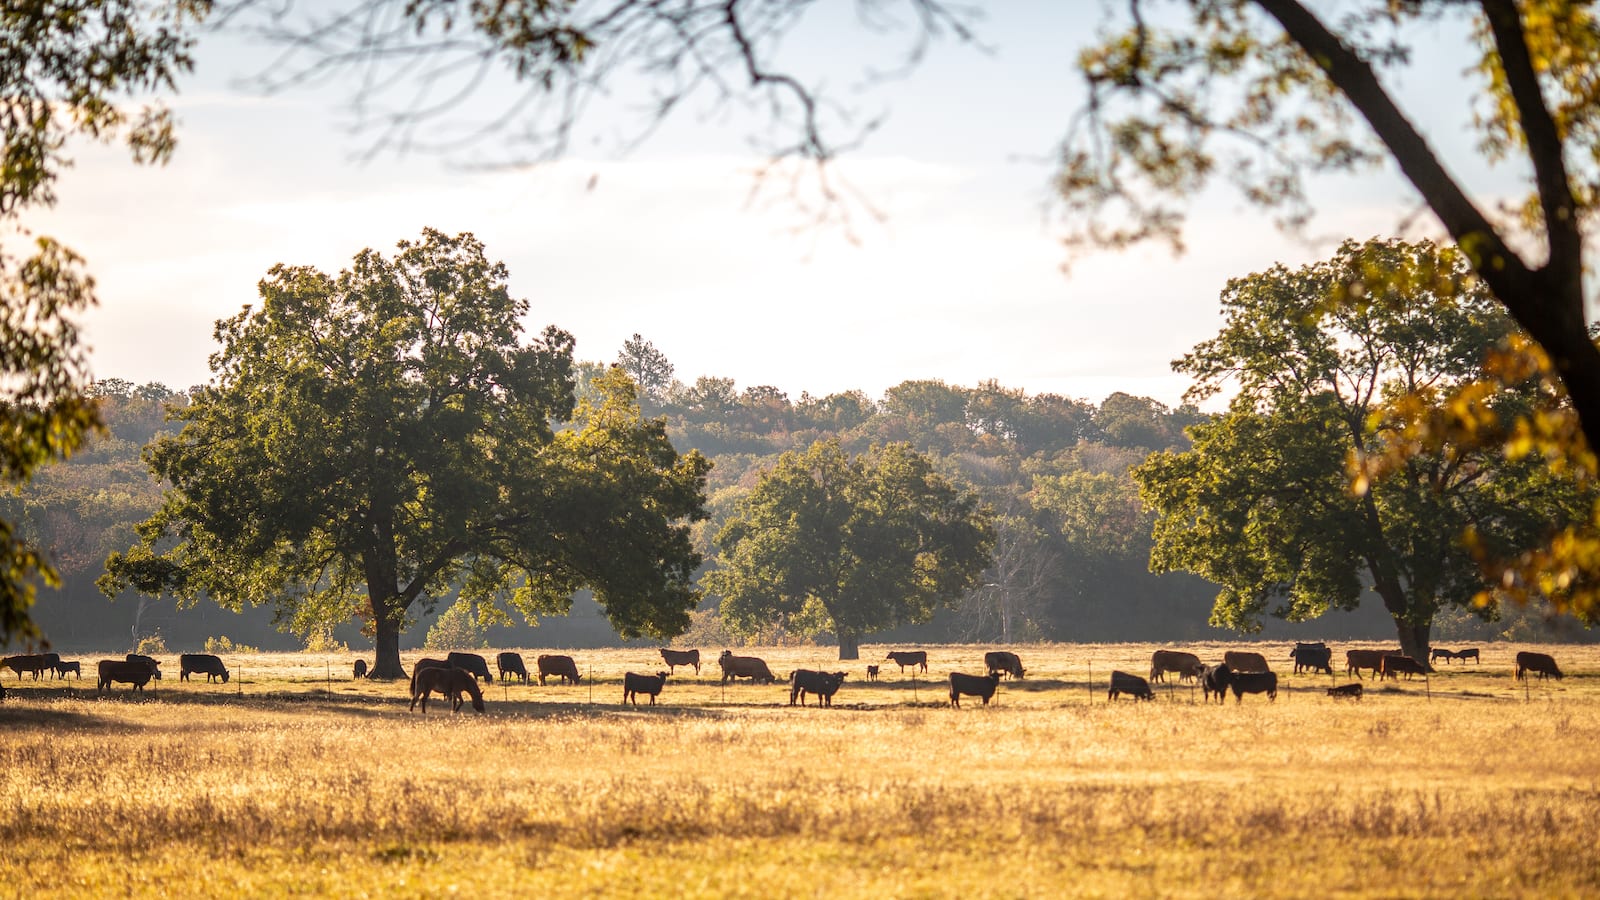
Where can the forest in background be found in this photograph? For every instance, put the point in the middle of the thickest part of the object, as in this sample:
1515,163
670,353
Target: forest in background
1071,558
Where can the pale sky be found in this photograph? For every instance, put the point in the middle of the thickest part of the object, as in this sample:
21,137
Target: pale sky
961,282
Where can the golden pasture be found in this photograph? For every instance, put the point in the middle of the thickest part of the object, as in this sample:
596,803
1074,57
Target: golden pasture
294,779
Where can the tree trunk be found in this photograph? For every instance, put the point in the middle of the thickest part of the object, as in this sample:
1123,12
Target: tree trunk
386,643
1414,640
849,646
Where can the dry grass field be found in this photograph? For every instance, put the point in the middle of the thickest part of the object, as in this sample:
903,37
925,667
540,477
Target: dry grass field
295,780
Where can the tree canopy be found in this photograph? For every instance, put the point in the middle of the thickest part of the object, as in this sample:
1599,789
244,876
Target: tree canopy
1263,504
379,438
827,543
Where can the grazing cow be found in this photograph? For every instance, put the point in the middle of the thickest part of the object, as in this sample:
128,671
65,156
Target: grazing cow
1540,663
562,667
447,682
1254,683
676,658
62,668
973,686
1003,662
1215,680
470,662
1346,691
147,660
30,662
872,673
1356,660
1245,661
751,667
1132,685
823,684
360,668
1317,657
1394,663
204,663
634,684
511,665
1187,665
1469,653
134,672
913,658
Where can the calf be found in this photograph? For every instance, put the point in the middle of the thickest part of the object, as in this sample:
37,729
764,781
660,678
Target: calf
1254,683
676,658
1187,665
360,668
470,662
62,668
634,684
823,684
1394,663
562,667
204,663
1441,653
1132,685
1215,680
913,658
1003,662
751,667
1541,664
511,665
134,672
1242,661
973,686
1316,657
1346,691
1469,653
872,673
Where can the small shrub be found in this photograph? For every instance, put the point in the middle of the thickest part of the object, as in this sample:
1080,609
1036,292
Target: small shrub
151,644
457,628
222,644
320,640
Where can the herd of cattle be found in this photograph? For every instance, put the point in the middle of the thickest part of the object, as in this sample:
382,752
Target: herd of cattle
456,676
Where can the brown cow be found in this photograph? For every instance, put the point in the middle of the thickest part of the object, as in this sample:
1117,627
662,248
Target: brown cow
1400,663
912,658
62,668
1187,665
872,673
1132,685
751,667
360,668
973,686
634,684
136,673
1003,662
676,658
1245,661
556,666
447,682
1356,660
1541,664
31,662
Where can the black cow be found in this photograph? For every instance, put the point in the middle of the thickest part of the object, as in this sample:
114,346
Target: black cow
1253,683
1215,680
676,658
30,662
470,662
511,664
204,663
913,658
823,684
872,673
1317,657
973,686
1132,685
562,667
751,667
1469,653
1003,662
634,684
134,672
1439,653
1346,691
62,668
1541,664
147,660
1400,663
360,668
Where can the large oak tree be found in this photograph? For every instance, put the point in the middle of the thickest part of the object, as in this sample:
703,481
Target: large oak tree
372,440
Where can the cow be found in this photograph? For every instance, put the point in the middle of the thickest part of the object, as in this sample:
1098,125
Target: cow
204,663
1469,653
751,667
511,664
1441,653
147,660
470,662
1003,662
1243,661
912,658
360,668
448,682
1356,660
823,684
1187,665
62,668
973,686
872,673
1317,657
562,667
676,658
1132,685
634,684
1346,691
134,672
1540,663
1215,680
1254,683
1394,663
30,662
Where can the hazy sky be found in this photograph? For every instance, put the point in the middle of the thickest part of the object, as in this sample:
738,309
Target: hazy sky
962,281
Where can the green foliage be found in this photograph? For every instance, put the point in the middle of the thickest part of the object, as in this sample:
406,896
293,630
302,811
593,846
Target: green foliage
457,628
151,644
829,543
221,644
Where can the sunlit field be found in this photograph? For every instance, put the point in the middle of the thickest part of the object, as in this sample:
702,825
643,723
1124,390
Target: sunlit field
294,778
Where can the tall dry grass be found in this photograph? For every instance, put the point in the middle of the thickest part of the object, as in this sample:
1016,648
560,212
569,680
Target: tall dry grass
284,785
